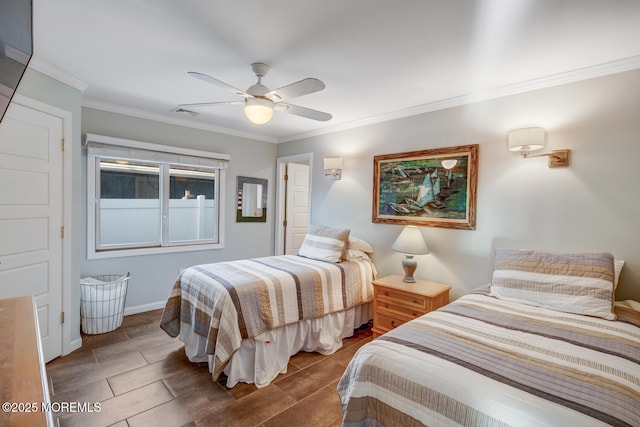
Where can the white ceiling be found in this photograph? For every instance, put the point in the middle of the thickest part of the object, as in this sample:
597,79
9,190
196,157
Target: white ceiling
379,59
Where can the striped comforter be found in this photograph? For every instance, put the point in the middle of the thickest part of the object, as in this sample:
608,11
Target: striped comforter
229,301
482,361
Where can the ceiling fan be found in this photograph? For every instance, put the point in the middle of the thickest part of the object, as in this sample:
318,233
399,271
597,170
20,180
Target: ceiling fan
260,102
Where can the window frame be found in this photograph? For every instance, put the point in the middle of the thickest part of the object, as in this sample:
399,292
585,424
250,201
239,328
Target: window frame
99,146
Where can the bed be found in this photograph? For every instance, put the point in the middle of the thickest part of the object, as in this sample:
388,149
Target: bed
519,352
246,318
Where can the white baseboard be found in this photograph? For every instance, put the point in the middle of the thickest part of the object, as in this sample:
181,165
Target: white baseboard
142,308
74,345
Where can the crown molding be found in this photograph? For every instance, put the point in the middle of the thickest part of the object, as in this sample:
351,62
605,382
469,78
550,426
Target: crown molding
142,114
43,67
613,67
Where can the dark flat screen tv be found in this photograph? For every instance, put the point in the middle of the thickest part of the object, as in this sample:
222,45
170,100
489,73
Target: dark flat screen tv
16,46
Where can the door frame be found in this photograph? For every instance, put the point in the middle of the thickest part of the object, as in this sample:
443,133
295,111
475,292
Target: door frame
281,164
67,163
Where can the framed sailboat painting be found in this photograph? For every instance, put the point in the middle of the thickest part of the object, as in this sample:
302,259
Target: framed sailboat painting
433,188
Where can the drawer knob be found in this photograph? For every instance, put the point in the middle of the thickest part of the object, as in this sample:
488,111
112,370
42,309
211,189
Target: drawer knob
393,323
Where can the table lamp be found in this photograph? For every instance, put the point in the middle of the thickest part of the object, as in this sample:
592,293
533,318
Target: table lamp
410,242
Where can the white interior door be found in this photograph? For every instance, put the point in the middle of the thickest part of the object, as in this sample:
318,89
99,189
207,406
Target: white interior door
297,207
31,163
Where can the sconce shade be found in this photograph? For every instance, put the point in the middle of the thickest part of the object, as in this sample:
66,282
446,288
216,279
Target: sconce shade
259,111
332,163
526,139
410,241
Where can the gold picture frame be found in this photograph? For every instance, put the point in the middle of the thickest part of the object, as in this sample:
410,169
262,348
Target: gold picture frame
432,188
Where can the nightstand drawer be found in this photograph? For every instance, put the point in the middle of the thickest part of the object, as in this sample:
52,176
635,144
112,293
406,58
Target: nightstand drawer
387,323
397,302
399,298
403,310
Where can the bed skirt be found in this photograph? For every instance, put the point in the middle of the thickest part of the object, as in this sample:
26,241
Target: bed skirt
261,359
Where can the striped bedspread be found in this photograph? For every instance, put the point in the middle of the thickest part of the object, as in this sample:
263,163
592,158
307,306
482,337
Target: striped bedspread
229,301
482,361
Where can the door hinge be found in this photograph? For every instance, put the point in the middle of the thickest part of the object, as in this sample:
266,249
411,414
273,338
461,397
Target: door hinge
62,317
284,223
286,177
62,144
62,232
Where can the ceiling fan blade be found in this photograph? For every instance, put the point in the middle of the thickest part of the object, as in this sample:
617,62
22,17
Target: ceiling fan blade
302,111
219,83
209,104
303,87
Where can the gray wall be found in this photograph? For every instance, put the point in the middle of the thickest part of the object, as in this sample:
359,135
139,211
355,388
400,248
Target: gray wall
152,275
590,206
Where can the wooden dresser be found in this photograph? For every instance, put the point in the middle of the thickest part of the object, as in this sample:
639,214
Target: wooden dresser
23,381
397,302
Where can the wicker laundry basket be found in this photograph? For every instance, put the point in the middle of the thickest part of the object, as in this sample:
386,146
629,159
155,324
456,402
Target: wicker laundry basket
102,301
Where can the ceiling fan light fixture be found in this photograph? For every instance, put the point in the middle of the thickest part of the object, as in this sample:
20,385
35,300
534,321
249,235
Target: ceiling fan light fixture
260,102
259,111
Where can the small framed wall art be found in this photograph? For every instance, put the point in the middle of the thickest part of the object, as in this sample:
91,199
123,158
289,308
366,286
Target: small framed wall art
251,200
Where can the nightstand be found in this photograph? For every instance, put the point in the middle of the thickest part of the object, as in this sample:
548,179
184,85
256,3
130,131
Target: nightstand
396,302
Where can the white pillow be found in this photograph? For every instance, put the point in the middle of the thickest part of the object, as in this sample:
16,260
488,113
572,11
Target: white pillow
357,243
355,254
324,243
617,266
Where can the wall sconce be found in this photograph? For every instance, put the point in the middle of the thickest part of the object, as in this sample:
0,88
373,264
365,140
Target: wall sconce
529,139
335,165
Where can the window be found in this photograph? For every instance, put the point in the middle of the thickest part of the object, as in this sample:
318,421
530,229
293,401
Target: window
152,199
128,209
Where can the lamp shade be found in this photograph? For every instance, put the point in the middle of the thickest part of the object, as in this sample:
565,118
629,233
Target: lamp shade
526,139
259,111
332,163
410,241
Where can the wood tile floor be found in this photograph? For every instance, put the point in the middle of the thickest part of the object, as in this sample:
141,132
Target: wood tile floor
141,377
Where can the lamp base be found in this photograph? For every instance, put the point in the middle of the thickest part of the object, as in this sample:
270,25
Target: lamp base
409,265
